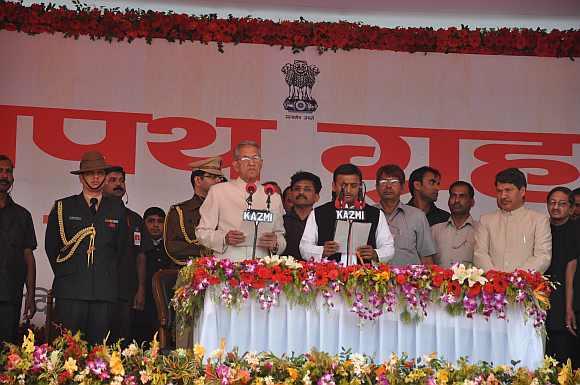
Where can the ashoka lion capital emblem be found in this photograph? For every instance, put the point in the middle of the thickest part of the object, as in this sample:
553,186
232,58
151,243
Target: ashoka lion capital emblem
300,78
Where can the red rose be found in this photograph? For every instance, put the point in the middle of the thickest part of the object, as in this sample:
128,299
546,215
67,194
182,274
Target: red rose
454,288
488,288
258,284
333,274
437,280
213,280
233,282
264,272
500,286
401,279
474,291
247,278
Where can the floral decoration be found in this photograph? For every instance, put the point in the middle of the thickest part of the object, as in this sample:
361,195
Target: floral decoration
369,290
70,360
130,24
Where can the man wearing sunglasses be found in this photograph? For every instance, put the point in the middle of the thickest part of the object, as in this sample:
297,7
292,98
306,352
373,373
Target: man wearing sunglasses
182,219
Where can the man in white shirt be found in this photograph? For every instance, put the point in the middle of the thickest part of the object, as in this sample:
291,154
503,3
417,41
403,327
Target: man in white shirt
318,238
221,227
513,237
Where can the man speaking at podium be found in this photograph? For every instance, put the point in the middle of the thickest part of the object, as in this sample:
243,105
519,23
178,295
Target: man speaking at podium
318,240
222,227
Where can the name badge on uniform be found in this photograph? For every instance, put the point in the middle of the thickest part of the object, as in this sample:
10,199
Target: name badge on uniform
137,238
75,218
111,223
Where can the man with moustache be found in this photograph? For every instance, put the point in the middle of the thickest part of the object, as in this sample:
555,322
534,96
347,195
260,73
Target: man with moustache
561,321
409,226
318,238
221,227
132,266
455,238
576,212
305,188
424,185
183,218
512,237
17,264
86,238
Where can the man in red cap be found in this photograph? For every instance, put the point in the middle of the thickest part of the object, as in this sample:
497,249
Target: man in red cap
86,236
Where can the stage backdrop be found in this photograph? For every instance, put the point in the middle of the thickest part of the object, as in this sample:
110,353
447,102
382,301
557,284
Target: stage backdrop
155,108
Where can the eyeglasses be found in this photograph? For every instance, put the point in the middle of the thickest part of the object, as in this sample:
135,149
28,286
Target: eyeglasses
302,189
255,158
389,181
559,203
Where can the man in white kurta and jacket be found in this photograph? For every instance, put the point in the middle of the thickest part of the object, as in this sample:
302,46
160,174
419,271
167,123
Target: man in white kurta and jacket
513,237
221,227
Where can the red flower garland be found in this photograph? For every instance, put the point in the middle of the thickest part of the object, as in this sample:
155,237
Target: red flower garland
133,24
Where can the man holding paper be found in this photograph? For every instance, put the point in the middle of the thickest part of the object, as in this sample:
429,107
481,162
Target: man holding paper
222,227
346,229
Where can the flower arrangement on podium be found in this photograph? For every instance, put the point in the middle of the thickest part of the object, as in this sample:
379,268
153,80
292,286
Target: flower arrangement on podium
369,290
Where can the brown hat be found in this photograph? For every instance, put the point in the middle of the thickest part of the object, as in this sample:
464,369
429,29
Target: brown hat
210,165
91,161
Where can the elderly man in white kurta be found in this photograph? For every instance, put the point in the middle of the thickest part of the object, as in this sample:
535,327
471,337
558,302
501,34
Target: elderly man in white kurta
221,227
513,237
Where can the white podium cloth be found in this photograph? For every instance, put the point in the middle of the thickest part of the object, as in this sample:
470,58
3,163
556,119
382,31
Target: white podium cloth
289,328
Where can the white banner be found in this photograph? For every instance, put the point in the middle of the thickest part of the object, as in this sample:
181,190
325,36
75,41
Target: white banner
155,108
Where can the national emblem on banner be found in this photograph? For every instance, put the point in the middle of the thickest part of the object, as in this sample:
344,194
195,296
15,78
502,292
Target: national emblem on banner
300,78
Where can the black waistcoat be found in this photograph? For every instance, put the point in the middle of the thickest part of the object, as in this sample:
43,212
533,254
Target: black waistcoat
326,223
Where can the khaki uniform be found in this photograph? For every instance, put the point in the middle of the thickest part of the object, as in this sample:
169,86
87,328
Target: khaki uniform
181,242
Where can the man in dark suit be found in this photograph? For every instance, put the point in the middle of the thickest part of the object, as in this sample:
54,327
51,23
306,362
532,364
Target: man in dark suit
17,265
86,237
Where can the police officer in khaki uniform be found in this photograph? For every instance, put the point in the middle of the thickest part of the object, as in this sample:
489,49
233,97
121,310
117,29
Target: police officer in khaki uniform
86,237
179,230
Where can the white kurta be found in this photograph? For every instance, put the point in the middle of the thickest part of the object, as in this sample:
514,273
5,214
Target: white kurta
309,243
221,212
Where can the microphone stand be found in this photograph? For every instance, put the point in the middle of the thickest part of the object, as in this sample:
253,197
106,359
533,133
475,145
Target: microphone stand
256,223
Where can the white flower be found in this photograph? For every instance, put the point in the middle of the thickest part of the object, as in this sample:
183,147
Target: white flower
117,380
473,275
21,379
358,362
252,359
269,380
181,352
306,379
476,276
131,350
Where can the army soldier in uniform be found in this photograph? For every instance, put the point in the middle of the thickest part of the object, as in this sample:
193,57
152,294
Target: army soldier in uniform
182,219
132,267
86,237
17,265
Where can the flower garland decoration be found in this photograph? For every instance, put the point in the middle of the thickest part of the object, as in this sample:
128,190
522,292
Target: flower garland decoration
130,24
369,290
70,360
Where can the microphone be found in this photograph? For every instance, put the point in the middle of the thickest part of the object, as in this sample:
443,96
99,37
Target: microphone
360,203
339,203
250,189
269,190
